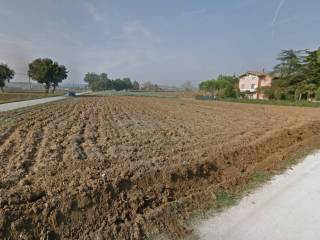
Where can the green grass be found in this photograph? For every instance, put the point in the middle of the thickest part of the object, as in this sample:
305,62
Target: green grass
133,93
259,177
276,102
225,199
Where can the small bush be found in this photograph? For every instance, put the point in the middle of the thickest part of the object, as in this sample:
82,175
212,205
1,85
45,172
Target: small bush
279,94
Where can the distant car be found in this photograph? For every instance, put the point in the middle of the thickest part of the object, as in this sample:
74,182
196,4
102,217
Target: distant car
71,94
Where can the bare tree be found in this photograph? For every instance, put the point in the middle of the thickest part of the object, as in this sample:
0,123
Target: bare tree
187,86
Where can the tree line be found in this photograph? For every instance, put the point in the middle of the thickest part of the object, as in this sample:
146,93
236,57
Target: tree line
296,77
101,82
43,70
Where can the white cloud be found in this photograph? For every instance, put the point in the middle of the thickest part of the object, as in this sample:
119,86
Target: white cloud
276,15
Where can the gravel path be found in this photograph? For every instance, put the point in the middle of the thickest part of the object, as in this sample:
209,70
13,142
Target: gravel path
21,104
28,103
286,209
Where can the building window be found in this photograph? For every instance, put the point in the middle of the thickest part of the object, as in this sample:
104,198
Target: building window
253,86
243,86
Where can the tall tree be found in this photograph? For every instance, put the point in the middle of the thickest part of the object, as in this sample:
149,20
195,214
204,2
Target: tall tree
311,69
288,74
60,73
127,83
92,80
288,71
135,85
224,86
102,82
47,72
290,62
6,74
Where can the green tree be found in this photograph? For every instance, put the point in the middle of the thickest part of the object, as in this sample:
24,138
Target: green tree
229,91
92,79
101,82
47,72
278,94
232,79
6,74
267,92
318,94
104,82
60,73
118,84
310,90
127,84
290,63
98,82
135,85
311,68
224,86
288,73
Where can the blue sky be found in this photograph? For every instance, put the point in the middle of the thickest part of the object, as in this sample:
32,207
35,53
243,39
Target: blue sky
166,42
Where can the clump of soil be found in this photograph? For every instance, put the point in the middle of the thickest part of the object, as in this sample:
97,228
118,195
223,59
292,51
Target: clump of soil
130,168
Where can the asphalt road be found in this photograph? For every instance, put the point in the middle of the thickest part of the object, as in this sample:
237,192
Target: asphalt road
21,104
287,208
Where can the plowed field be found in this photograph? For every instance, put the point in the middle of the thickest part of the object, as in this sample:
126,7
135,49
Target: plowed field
131,167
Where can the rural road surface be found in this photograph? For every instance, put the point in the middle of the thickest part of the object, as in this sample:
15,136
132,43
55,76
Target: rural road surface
287,208
21,104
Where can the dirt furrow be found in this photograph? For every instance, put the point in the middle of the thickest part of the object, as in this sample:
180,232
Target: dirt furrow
129,167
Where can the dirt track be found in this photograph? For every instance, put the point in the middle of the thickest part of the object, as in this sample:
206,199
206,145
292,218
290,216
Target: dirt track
130,167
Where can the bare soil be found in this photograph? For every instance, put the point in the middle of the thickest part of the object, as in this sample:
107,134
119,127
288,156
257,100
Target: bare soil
134,167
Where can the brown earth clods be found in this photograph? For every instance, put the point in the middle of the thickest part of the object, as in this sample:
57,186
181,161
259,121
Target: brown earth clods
133,167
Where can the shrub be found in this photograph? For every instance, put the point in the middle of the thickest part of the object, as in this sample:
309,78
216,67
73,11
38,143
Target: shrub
278,94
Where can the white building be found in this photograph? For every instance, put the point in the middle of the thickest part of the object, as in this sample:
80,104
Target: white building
251,81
